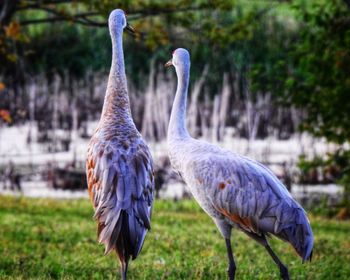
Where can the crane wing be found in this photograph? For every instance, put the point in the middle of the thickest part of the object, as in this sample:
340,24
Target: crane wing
120,183
250,196
247,193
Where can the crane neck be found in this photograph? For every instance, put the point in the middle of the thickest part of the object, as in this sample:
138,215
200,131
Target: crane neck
116,103
177,125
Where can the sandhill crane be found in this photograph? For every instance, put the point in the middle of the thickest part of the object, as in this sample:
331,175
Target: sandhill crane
119,165
233,190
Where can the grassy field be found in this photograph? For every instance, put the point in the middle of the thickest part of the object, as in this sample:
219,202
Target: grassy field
48,239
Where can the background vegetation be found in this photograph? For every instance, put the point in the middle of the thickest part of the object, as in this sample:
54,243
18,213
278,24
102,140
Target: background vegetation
286,63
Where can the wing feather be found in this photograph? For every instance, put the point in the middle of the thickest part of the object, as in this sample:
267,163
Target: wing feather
121,181
256,201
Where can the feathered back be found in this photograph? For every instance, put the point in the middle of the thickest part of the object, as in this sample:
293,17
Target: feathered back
120,180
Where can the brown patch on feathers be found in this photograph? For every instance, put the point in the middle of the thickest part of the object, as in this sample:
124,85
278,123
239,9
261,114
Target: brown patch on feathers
222,186
100,227
91,179
246,223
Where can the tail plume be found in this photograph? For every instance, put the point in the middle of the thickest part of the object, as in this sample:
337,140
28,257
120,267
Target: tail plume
300,236
124,234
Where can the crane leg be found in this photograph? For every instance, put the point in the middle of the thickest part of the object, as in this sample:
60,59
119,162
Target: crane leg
231,262
124,269
282,267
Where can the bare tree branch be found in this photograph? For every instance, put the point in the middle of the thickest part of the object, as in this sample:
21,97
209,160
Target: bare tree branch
77,19
7,9
84,19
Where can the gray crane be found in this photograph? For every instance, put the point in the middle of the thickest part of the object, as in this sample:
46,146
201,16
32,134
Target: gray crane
234,190
119,165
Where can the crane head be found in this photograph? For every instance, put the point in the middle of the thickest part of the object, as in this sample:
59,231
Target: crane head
180,57
118,18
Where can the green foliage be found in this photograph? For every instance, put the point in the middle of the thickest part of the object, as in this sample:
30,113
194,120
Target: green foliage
308,167
335,168
209,29
303,59
324,209
335,164
48,239
342,159
62,52
299,51
320,80
307,64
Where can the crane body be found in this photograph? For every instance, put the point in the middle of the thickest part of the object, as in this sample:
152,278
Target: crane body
119,165
235,191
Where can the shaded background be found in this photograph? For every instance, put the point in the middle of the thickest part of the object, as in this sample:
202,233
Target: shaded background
269,79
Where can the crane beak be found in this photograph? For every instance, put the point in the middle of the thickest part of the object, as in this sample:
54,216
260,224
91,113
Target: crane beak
130,29
169,63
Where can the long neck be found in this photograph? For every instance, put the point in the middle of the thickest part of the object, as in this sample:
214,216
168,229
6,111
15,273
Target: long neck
177,125
116,103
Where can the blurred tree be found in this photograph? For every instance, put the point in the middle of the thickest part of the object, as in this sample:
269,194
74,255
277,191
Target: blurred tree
319,79
30,37
34,38
297,51
307,63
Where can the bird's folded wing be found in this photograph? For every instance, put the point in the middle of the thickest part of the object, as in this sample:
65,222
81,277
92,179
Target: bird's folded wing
248,194
120,184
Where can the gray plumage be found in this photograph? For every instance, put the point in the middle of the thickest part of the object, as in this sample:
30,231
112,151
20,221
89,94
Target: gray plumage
234,190
119,165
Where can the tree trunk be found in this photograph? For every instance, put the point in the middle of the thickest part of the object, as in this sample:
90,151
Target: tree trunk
147,122
56,88
32,90
7,10
215,119
204,112
193,106
224,106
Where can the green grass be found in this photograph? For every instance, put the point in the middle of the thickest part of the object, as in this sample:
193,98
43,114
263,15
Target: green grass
49,239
